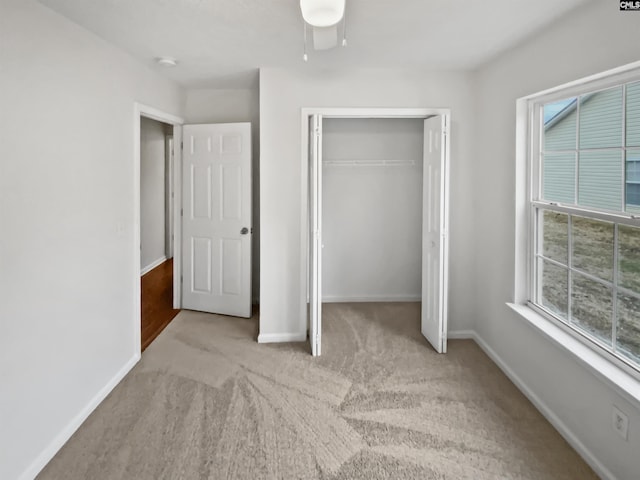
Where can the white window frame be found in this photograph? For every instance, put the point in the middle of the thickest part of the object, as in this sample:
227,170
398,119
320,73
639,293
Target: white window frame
616,369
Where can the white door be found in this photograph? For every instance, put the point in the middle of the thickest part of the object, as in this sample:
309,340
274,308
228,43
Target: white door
216,218
435,233
315,234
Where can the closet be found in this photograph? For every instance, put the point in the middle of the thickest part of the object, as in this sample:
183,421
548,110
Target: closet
372,209
376,214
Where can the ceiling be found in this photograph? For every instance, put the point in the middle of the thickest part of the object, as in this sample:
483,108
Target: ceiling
222,43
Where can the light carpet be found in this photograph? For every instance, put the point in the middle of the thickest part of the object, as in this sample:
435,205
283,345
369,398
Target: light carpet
207,402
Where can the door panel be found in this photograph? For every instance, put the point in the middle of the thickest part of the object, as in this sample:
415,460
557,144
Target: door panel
230,186
201,192
434,234
231,261
216,221
315,234
201,265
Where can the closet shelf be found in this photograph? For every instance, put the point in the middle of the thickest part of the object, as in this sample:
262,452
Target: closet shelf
368,163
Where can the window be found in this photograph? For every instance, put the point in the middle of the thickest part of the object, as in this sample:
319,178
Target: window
585,213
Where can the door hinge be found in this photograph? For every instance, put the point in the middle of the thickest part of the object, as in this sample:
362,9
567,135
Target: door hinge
181,145
181,212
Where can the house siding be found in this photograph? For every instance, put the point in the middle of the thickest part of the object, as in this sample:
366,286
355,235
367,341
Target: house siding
599,162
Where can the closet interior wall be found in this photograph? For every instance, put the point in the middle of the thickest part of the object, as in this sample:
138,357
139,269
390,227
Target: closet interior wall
372,209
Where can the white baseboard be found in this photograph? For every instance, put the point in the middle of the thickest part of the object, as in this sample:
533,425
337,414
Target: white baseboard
461,335
602,471
49,452
153,265
282,337
370,298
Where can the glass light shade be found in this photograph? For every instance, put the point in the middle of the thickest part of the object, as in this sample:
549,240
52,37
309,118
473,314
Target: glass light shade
322,13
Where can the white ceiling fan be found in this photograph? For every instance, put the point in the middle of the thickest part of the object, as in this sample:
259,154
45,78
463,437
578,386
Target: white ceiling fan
323,16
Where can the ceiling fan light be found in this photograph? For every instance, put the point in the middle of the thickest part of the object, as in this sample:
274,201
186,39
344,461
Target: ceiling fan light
322,13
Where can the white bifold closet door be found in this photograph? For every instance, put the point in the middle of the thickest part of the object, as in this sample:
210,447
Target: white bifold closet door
315,234
435,213
216,220
435,257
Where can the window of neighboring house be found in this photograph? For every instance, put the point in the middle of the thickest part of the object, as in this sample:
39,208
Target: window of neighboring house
585,214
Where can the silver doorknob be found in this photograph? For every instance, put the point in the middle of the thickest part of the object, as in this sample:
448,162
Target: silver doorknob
244,231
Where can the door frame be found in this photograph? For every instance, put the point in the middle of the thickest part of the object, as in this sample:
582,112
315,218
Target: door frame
344,113
140,110
169,149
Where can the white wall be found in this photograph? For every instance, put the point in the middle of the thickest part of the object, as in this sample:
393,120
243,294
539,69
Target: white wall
152,192
231,106
282,94
592,39
67,219
372,215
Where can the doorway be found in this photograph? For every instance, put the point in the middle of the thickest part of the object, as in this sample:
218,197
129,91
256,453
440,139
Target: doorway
217,159
156,218
422,272
156,228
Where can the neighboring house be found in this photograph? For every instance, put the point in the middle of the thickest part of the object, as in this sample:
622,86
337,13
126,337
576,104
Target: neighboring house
587,179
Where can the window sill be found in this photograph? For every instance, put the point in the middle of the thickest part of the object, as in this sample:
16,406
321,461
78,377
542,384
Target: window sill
624,383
